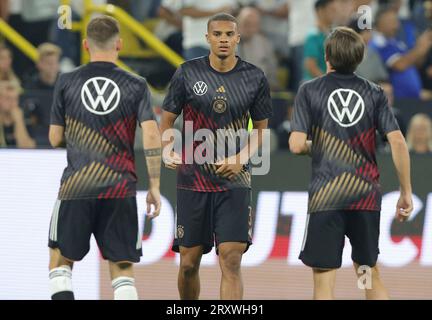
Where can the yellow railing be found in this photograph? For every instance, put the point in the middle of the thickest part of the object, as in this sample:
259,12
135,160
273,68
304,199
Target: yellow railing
18,40
125,19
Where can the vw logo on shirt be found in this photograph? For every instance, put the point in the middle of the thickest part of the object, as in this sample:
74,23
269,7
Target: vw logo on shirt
348,110
200,88
100,95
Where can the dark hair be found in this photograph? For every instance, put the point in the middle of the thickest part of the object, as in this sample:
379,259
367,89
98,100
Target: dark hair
353,24
102,29
344,49
319,4
222,17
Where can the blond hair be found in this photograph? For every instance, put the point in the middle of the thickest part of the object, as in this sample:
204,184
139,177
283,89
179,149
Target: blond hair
415,120
48,49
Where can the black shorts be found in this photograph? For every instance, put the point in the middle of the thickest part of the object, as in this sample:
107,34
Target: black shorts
113,222
325,233
205,218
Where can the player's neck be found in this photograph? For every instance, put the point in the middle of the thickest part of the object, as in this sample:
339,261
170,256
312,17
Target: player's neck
103,57
222,65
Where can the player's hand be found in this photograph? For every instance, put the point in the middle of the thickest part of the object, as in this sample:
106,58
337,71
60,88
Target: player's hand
153,198
404,207
229,167
172,161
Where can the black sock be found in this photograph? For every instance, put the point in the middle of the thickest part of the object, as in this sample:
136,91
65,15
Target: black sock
63,295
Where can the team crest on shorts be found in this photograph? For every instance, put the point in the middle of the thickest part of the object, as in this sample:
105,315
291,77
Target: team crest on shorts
220,104
180,232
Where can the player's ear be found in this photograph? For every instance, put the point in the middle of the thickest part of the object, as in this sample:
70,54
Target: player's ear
119,44
207,37
86,45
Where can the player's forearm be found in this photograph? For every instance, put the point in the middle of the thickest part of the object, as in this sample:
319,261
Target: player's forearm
166,127
253,145
255,141
152,152
401,160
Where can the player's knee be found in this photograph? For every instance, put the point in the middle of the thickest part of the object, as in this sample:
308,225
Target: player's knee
57,260
188,267
230,261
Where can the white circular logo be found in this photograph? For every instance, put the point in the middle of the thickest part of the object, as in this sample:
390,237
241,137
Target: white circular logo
100,95
200,88
346,107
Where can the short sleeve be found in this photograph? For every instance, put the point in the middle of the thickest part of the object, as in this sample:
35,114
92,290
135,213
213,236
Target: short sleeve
302,112
311,49
385,120
262,105
145,110
389,54
175,98
58,105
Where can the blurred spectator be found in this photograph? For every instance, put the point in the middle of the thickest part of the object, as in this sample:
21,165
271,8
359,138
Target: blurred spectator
314,63
422,14
39,90
12,14
140,9
400,62
388,91
274,24
48,68
169,29
300,23
344,12
371,67
195,16
4,9
407,29
12,123
348,9
38,17
6,72
419,136
254,47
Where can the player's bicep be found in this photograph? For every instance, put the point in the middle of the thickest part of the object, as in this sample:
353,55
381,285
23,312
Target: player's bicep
56,135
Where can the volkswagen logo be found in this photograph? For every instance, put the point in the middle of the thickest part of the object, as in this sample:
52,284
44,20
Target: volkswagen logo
100,95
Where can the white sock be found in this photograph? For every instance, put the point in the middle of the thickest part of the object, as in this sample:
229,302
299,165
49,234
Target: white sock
60,279
124,288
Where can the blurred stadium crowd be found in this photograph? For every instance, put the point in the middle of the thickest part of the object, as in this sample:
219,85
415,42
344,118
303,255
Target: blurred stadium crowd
283,37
